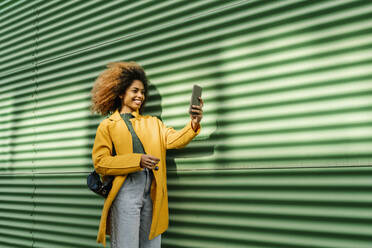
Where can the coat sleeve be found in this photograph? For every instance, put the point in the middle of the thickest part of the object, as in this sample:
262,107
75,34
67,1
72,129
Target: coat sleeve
178,139
106,164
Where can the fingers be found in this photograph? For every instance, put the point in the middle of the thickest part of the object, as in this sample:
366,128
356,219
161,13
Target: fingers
153,161
153,158
201,102
149,161
196,109
149,165
197,112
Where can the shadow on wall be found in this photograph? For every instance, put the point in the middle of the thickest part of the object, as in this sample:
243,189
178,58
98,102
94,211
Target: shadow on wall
19,103
12,139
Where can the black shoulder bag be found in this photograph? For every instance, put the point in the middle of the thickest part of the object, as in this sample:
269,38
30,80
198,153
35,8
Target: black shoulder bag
96,185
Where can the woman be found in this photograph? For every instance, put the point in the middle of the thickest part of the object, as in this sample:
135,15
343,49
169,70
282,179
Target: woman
135,213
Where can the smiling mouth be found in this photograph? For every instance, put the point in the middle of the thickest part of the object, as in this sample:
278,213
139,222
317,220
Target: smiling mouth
138,102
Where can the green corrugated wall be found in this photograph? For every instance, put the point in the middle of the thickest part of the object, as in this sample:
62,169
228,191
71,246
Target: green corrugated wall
283,160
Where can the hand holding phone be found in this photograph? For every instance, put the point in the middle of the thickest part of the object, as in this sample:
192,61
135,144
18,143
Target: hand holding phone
196,107
196,94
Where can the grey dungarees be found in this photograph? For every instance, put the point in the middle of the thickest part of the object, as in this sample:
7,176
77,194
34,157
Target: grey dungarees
131,211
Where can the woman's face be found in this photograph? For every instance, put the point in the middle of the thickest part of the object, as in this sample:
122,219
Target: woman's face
134,97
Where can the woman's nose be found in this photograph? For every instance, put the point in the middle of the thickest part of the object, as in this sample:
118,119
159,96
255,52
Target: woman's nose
140,94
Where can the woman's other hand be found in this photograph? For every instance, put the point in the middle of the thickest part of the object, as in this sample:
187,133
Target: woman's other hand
198,114
148,161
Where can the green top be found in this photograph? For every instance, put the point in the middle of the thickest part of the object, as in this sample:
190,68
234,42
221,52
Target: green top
137,145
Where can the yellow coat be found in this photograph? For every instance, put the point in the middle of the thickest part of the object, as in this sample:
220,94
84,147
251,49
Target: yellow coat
156,139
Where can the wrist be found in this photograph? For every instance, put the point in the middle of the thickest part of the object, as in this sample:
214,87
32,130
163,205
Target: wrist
194,125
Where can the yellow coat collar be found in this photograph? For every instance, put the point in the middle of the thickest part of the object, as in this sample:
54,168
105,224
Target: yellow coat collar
116,115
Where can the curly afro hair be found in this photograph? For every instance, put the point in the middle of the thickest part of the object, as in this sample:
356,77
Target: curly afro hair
112,83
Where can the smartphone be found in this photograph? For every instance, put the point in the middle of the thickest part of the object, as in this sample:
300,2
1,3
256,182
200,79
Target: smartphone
196,93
